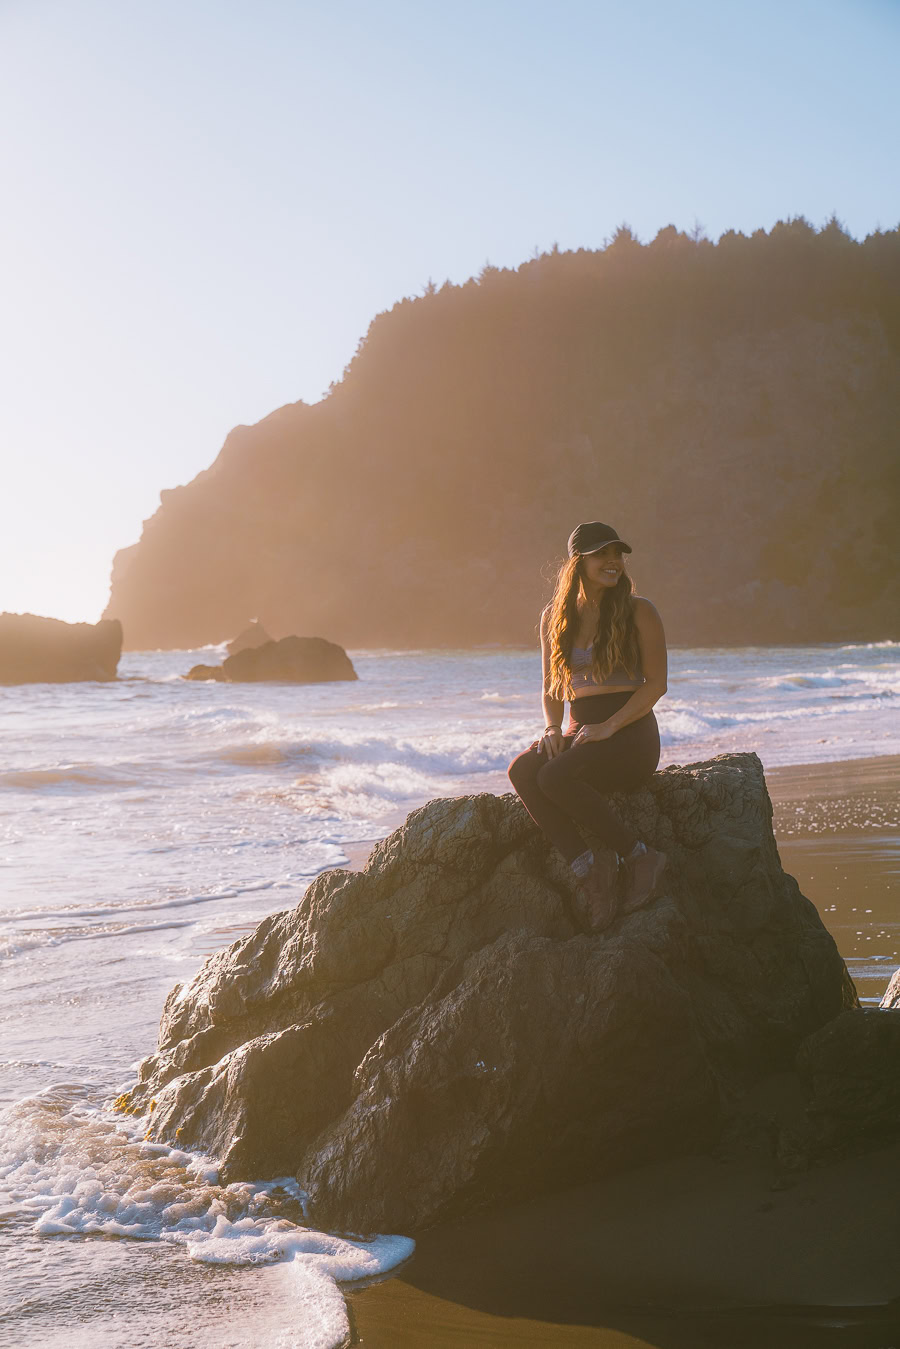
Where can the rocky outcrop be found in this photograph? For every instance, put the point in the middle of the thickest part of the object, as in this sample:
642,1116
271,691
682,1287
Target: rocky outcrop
296,660
850,1070
36,650
253,635
437,1033
891,999
207,672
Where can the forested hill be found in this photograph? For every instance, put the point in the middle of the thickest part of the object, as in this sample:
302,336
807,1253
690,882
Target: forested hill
733,409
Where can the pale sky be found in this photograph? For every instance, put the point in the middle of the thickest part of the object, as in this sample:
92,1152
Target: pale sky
205,202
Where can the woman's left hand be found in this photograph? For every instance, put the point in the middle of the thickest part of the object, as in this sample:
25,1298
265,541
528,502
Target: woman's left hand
600,730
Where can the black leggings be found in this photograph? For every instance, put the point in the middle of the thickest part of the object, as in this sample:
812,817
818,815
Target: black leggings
568,790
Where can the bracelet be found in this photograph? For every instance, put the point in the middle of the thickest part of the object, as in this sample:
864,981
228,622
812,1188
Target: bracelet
552,728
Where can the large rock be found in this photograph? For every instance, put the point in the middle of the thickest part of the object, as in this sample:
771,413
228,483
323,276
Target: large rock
252,636
296,660
36,650
436,1032
850,1070
891,999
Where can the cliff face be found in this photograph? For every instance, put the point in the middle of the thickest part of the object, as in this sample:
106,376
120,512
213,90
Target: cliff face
732,409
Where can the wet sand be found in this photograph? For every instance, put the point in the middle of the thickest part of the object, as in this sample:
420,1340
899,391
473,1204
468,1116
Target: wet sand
699,1253
687,1253
838,832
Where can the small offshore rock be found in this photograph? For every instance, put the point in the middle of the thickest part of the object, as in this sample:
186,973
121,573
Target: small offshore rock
252,636
295,660
206,672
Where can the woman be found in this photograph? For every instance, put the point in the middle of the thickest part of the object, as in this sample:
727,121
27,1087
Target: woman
603,648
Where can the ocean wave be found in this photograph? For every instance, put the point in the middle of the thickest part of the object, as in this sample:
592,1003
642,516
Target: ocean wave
84,1070
687,718
452,751
203,719
74,911
356,771
69,775
677,725
886,645
17,943
264,753
178,650
364,793
75,1170
789,682
881,678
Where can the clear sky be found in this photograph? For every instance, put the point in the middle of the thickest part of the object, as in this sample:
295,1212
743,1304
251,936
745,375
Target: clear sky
205,202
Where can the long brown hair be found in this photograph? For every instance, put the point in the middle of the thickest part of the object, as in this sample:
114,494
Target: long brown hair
616,638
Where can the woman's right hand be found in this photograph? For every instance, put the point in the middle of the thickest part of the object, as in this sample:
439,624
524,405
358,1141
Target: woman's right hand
552,742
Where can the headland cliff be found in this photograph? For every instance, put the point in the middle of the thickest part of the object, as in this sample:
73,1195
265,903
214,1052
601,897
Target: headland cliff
733,409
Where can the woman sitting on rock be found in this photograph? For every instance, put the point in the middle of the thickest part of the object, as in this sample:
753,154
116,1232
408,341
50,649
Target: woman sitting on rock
603,648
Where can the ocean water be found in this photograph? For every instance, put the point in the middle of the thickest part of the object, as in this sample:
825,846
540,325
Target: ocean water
145,823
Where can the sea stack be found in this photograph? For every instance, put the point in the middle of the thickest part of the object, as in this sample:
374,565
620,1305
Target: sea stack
293,660
36,650
252,636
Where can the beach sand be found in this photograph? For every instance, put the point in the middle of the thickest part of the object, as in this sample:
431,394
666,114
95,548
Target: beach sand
693,1252
699,1253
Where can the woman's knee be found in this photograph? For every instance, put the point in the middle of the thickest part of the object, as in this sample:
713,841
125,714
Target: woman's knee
553,775
523,770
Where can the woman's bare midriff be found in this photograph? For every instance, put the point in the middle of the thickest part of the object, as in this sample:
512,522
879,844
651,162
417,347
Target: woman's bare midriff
607,688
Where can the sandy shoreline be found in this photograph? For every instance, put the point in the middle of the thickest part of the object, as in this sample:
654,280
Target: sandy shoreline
697,1252
838,832
691,1252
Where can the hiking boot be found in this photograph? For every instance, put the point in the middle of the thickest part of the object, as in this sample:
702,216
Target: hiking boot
643,874
598,892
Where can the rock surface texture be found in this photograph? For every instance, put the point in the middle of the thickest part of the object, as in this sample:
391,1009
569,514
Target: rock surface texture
891,999
35,650
850,1070
252,636
295,660
436,1033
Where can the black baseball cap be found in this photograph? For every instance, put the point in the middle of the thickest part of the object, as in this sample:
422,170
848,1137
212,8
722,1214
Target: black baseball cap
590,538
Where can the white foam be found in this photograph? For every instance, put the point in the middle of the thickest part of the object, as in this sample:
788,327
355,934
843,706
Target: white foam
76,911
877,680
16,944
789,682
13,944
870,646
79,1171
454,749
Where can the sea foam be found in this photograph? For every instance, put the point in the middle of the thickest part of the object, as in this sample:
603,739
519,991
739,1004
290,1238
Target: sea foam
76,1170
